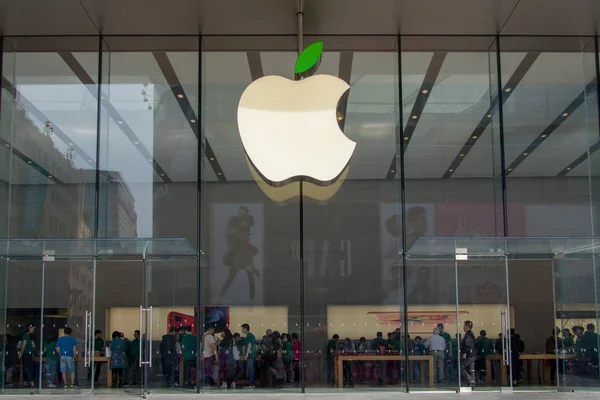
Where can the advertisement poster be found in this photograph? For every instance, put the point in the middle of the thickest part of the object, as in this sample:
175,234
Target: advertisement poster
237,260
420,221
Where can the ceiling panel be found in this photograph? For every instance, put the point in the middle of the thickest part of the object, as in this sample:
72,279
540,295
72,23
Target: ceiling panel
556,17
48,17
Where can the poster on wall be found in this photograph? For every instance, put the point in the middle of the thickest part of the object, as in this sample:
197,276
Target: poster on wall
420,221
237,261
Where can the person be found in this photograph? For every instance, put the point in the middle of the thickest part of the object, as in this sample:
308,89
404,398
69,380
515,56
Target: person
227,364
553,343
332,348
240,343
118,359
67,349
98,348
249,354
27,350
515,357
568,340
348,347
189,347
449,356
51,362
210,356
287,358
468,352
485,347
590,344
133,360
418,349
436,345
297,357
168,356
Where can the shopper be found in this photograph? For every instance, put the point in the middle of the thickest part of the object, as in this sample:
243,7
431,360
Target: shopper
133,360
67,349
27,350
51,363
118,359
189,346
211,356
436,346
98,348
249,354
468,353
168,356
297,357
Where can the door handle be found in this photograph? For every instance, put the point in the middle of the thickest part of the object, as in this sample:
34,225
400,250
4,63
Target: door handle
140,359
150,338
85,343
504,338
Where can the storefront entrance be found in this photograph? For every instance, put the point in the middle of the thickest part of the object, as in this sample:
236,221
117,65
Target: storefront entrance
113,297
531,304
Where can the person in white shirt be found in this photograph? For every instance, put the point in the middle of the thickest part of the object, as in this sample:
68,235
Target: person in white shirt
211,356
436,346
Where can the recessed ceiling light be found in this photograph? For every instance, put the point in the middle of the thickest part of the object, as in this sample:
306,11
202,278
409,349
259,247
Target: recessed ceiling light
180,96
6,145
89,161
392,171
218,173
136,142
193,121
162,174
70,143
568,168
507,90
405,137
543,136
212,159
425,91
101,97
489,115
510,169
462,155
525,154
565,114
150,160
474,137
451,170
49,176
29,162
414,117
120,122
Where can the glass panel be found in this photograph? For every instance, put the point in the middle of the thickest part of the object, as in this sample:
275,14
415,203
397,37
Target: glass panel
67,322
172,325
24,305
252,240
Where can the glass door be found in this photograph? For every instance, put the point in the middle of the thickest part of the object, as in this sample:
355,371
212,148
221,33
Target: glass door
484,347
170,334
67,325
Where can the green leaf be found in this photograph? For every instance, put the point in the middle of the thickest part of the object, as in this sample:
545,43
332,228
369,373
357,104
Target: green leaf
308,60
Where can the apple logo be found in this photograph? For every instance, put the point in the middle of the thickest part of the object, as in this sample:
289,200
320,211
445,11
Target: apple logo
289,128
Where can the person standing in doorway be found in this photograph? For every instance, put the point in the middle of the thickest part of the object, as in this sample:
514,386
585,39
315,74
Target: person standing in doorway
436,346
249,354
118,359
67,349
468,353
27,347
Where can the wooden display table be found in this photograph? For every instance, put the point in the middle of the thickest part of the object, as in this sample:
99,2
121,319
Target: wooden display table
523,357
340,358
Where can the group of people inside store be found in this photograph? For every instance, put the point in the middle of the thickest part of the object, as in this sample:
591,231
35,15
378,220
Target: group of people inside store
60,356
463,355
234,360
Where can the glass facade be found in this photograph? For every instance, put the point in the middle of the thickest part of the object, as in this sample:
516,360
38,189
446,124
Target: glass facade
474,156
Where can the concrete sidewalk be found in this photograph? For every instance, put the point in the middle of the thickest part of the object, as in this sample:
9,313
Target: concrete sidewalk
366,395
